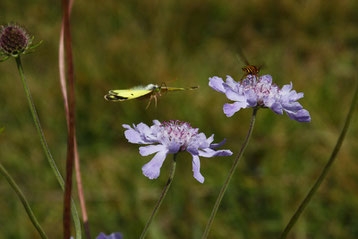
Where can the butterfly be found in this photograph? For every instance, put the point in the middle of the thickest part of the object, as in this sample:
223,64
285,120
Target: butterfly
150,91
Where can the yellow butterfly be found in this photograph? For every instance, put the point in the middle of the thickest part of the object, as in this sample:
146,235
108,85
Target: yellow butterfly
140,92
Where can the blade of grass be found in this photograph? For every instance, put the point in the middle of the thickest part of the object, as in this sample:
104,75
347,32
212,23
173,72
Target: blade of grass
23,200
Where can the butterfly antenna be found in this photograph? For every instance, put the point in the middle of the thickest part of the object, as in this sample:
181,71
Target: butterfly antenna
163,85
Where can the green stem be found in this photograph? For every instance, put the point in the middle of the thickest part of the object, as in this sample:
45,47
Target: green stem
232,170
162,196
45,146
325,170
23,201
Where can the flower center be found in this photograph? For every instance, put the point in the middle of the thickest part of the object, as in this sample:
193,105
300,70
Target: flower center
261,86
178,132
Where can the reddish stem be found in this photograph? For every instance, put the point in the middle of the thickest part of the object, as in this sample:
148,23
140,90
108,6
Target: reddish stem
77,163
71,128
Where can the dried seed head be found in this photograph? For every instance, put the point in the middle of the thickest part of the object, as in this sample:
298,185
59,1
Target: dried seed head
14,40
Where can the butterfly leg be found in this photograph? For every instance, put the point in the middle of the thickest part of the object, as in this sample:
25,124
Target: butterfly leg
155,100
150,100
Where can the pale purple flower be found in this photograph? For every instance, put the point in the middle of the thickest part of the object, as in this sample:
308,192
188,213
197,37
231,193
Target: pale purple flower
170,138
115,235
259,91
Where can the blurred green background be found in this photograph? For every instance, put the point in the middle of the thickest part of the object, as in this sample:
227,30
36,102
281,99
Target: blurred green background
120,44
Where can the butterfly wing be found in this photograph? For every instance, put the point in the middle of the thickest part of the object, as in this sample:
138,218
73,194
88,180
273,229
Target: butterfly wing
129,94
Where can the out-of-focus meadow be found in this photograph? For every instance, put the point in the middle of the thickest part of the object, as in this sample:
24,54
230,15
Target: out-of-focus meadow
120,44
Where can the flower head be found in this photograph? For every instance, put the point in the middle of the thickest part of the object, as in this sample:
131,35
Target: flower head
115,235
14,41
172,137
259,91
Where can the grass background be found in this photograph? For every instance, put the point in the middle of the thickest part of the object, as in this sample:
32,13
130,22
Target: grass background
120,44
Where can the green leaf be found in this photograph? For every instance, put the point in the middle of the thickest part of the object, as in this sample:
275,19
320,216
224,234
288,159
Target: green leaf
4,59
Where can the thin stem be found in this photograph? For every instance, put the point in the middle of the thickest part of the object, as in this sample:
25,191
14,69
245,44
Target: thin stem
81,194
23,201
71,119
227,181
61,62
162,196
325,170
45,146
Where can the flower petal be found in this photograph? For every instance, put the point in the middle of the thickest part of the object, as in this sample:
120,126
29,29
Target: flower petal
196,169
156,122
133,136
251,97
152,169
217,145
217,84
300,116
208,152
234,96
230,82
231,109
294,106
151,149
286,88
115,235
210,139
277,108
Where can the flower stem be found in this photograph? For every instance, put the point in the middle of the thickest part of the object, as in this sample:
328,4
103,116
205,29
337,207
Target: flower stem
61,63
23,201
325,170
71,121
45,146
232,170
162,196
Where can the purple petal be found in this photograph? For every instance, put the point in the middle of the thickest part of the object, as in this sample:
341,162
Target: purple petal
231,109
210,139
156,122
208,153
217,84
152,169
139,134
277,108
196,169
174,147
151,149
193,149
286,88
143,128
115,235
295,106
300,116
294,96
251,97
217,145
200,141
234,96
230,82
133,136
